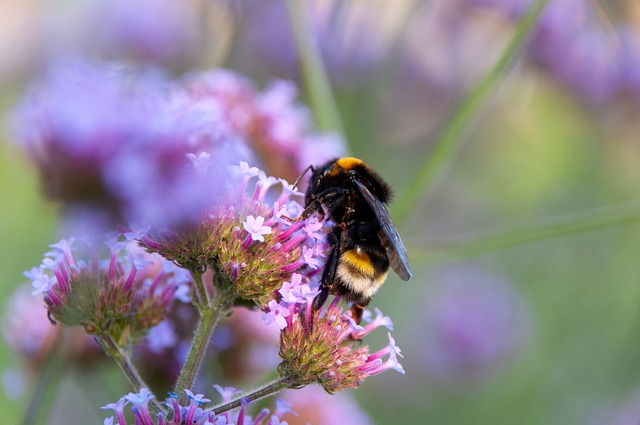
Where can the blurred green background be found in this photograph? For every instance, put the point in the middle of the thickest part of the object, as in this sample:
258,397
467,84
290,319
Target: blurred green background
568,353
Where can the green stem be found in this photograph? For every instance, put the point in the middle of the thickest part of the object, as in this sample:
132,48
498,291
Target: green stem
267,390
201,298
451,135
315,78
123,360
47,383
206,324
546,228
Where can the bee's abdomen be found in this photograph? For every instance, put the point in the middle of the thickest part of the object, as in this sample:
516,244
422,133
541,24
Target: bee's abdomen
360,273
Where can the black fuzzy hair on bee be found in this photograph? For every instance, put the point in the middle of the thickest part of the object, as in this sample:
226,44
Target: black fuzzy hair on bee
364,241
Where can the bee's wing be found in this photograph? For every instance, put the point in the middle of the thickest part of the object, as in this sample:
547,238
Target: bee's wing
389,236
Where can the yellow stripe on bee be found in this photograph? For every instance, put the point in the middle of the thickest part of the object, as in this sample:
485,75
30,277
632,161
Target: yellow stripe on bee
349,163
357,260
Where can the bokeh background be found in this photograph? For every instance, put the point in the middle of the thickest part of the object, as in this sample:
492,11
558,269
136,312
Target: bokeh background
532,332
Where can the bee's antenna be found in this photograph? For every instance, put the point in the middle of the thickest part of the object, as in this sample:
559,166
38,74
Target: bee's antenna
310,167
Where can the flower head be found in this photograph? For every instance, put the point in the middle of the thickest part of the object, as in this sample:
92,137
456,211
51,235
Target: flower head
323,347
246,240
118,297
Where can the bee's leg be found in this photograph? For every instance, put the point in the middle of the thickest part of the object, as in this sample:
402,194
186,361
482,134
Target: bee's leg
357,309
321,298
330,269
333,198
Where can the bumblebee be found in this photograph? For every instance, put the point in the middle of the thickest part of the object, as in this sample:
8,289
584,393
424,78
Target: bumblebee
364,241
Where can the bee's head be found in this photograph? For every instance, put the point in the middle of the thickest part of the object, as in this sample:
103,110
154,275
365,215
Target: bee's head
334,173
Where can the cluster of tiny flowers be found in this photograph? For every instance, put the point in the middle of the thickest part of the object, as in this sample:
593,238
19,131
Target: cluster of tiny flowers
324,346
120,297
136,147
249,238
194,413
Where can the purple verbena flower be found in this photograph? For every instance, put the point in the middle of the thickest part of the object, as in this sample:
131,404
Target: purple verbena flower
315,406
145,153
109,141
322,347
255,227
474,323
119,297
25,325
155,30
247,241
269,123
276,313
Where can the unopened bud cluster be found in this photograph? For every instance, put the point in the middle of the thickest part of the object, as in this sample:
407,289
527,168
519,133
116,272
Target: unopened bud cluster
116,297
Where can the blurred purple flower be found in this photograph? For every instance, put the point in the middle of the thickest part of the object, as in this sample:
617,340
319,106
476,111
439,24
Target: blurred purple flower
161,337
473,324
133,147
26,327
315,406
266,40
626,412
571,43
629,83
512,8
160,31
111,141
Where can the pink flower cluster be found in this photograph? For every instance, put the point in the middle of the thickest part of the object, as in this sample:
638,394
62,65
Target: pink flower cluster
324,346
250,238
120,297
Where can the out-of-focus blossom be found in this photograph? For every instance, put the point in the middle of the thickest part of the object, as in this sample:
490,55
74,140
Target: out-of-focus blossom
626,412
107,140
169,33
138,148
161,31
110,298
570,44
473,325
30,333
161,354
266,40
26,327
573,44
272,125
444,54
629,82
314,406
